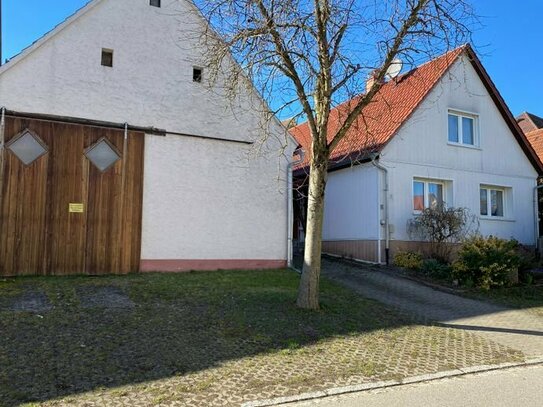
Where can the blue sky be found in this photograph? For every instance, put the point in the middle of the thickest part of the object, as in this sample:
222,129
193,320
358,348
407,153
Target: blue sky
509,44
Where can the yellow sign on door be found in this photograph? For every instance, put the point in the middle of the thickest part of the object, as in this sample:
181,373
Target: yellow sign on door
76,208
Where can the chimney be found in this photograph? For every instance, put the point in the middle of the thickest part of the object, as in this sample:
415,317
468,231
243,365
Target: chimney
372,78
289,123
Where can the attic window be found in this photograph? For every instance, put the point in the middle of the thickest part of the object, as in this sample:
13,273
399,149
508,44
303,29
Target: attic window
197,74
107,57
155,3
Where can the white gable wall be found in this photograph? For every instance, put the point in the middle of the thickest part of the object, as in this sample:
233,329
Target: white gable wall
202,199
421,149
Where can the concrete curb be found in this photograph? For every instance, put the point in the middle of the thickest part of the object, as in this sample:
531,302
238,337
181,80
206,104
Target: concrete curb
389,383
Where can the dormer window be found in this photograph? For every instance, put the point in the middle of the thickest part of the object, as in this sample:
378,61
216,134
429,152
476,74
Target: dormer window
462,128
155,3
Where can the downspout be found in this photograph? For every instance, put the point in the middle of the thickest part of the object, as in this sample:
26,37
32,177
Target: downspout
290,206
2,140
385,209
536,217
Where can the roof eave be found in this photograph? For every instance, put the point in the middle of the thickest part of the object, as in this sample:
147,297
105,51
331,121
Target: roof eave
49,35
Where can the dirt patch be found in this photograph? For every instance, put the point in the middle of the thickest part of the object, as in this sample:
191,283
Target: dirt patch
103,297
30,301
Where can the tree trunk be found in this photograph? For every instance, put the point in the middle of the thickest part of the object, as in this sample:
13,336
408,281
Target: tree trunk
308,292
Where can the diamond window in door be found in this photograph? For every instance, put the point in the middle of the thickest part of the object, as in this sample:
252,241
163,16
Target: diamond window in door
27,147
102,154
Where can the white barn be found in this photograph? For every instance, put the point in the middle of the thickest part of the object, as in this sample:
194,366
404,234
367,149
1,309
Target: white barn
440,133
116,157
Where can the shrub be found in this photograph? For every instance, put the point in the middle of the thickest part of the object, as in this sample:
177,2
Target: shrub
441,227
487,262
436,269
408,260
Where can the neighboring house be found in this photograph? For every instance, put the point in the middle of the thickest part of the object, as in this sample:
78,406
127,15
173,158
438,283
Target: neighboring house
179,187
529,122
535,137
440,133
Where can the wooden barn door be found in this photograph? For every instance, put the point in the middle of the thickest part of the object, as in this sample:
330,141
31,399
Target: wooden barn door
70,199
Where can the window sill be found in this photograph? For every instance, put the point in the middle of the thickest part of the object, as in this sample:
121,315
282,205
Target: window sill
464,145
497,218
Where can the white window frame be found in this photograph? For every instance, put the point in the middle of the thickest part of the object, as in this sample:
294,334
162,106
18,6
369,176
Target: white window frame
426,182
476,131
505,198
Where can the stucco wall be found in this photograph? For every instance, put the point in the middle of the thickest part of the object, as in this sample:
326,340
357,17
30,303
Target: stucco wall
203,199
351,210
211,200
421,149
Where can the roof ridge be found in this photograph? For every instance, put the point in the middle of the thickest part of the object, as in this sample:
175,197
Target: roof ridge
433,60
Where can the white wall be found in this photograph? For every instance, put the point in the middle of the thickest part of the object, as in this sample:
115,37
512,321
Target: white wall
351,210
203,199
208,200
421,149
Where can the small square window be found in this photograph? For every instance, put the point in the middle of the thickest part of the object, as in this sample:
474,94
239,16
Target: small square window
107,57
27,147
197,74
155,3
102,154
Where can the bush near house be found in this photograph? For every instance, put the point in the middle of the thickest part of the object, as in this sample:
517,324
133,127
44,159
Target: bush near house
442,227
437,270
488,262
408,260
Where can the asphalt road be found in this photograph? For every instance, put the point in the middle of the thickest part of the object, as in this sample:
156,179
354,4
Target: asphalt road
503,388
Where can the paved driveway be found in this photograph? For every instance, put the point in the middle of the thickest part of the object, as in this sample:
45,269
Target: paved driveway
517,329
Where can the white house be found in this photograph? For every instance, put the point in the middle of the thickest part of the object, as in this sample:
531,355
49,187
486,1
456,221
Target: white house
440,133
116,157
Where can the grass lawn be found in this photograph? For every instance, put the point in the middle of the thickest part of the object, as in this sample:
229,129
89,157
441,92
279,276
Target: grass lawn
217,338
529,298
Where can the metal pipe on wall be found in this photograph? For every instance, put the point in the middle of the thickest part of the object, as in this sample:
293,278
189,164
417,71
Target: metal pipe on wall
2,142
385,209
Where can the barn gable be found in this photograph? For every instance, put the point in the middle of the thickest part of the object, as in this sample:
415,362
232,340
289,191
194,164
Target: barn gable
155,54
187,180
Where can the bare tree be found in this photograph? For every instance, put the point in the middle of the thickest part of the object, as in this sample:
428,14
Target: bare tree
312,55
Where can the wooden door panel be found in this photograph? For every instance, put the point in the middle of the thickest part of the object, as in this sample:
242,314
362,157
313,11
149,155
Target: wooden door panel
23,206
67,184
38,233
114,206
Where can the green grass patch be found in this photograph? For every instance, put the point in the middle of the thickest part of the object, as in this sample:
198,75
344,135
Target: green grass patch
179,323
529,298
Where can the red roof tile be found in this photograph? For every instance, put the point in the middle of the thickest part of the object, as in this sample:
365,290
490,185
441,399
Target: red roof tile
536,140
529,122
382,118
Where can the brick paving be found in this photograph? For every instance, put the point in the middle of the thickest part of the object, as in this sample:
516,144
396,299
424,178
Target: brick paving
518,329
224,367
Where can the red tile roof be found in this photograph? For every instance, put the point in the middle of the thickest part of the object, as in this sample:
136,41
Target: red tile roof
536,140
394,104
382,118
529,122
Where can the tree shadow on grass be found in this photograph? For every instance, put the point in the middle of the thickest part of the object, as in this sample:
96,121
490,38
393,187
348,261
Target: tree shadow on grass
170,325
